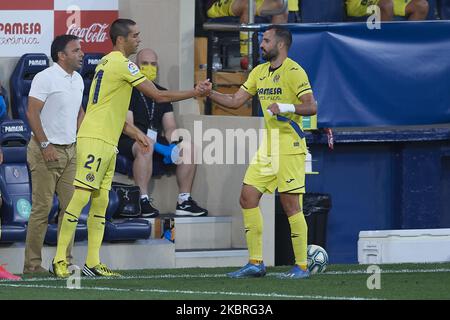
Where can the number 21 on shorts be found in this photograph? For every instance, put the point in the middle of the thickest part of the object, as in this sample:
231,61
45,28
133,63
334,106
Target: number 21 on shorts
91,160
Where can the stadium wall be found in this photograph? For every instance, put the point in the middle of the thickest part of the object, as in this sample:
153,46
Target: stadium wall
381,179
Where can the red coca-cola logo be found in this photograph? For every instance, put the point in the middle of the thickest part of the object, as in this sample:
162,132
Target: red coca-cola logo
92,28
96,32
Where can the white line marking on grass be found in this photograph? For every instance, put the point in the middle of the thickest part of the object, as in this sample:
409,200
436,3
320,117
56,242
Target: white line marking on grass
386,271
223,275
190,292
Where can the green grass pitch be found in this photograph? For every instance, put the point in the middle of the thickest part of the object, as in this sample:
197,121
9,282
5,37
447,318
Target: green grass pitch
400,281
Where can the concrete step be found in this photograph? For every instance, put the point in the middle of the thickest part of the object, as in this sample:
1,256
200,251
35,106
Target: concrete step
202,233
141,254
196,232
211,258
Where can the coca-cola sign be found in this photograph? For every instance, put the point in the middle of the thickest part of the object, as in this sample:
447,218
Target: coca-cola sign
94,33
92,28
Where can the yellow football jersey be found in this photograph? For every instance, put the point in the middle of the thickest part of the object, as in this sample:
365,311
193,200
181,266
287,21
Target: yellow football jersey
109,98
293,5
285,84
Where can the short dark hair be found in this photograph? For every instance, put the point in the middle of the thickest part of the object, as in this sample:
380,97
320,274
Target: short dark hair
120,27
282,33
60,43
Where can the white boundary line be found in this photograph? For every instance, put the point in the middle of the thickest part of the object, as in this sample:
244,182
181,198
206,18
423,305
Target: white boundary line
26,283
223,275
227,293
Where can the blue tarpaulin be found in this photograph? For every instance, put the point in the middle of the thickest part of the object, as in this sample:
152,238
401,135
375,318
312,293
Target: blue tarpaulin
396,75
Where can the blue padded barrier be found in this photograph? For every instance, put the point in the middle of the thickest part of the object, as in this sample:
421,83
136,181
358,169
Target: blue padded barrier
381,179
52,230
358,75
87,72
126,230
14,181
20,82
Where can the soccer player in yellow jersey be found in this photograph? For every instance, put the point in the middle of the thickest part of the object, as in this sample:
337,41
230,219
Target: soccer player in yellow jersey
239,8
411,9
285,94
109,98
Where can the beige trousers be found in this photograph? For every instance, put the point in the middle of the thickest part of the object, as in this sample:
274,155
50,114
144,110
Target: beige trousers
47,178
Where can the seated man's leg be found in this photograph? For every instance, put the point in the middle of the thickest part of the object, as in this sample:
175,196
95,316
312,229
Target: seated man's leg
142,173
293,11
358,8
185,176
387,10
414,9
223,8
272,5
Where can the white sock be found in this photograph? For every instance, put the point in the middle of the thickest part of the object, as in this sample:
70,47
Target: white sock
182,197
144,196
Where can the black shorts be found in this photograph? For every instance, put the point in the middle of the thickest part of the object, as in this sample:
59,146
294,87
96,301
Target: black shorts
125,147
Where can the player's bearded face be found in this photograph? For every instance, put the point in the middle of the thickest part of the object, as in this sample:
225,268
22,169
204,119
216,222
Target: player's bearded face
270,54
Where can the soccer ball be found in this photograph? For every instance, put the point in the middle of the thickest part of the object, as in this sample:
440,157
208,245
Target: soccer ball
317,259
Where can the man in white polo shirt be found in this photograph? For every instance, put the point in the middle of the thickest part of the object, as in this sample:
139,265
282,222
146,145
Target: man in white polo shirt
54,114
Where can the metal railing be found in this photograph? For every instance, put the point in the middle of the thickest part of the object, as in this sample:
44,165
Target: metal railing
212,27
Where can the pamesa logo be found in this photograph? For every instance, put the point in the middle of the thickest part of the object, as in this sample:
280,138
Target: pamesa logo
23,207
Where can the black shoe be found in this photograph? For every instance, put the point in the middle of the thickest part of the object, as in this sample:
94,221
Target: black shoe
147,210
190,208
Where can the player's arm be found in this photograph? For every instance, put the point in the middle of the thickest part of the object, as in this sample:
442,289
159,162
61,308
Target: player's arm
149,89
33,115
80,117
232,101
308,107
133,132
130,117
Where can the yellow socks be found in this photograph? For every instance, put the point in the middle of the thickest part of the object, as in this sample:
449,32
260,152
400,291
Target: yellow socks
299,238
79,199
96,226
253,224
243,38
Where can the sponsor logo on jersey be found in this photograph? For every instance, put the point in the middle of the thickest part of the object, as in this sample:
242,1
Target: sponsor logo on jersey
269,91
134,70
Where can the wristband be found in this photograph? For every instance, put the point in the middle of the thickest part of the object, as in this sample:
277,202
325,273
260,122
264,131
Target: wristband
286,107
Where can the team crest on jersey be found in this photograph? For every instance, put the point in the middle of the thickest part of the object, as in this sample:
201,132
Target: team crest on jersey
133,68
90,177
276,78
